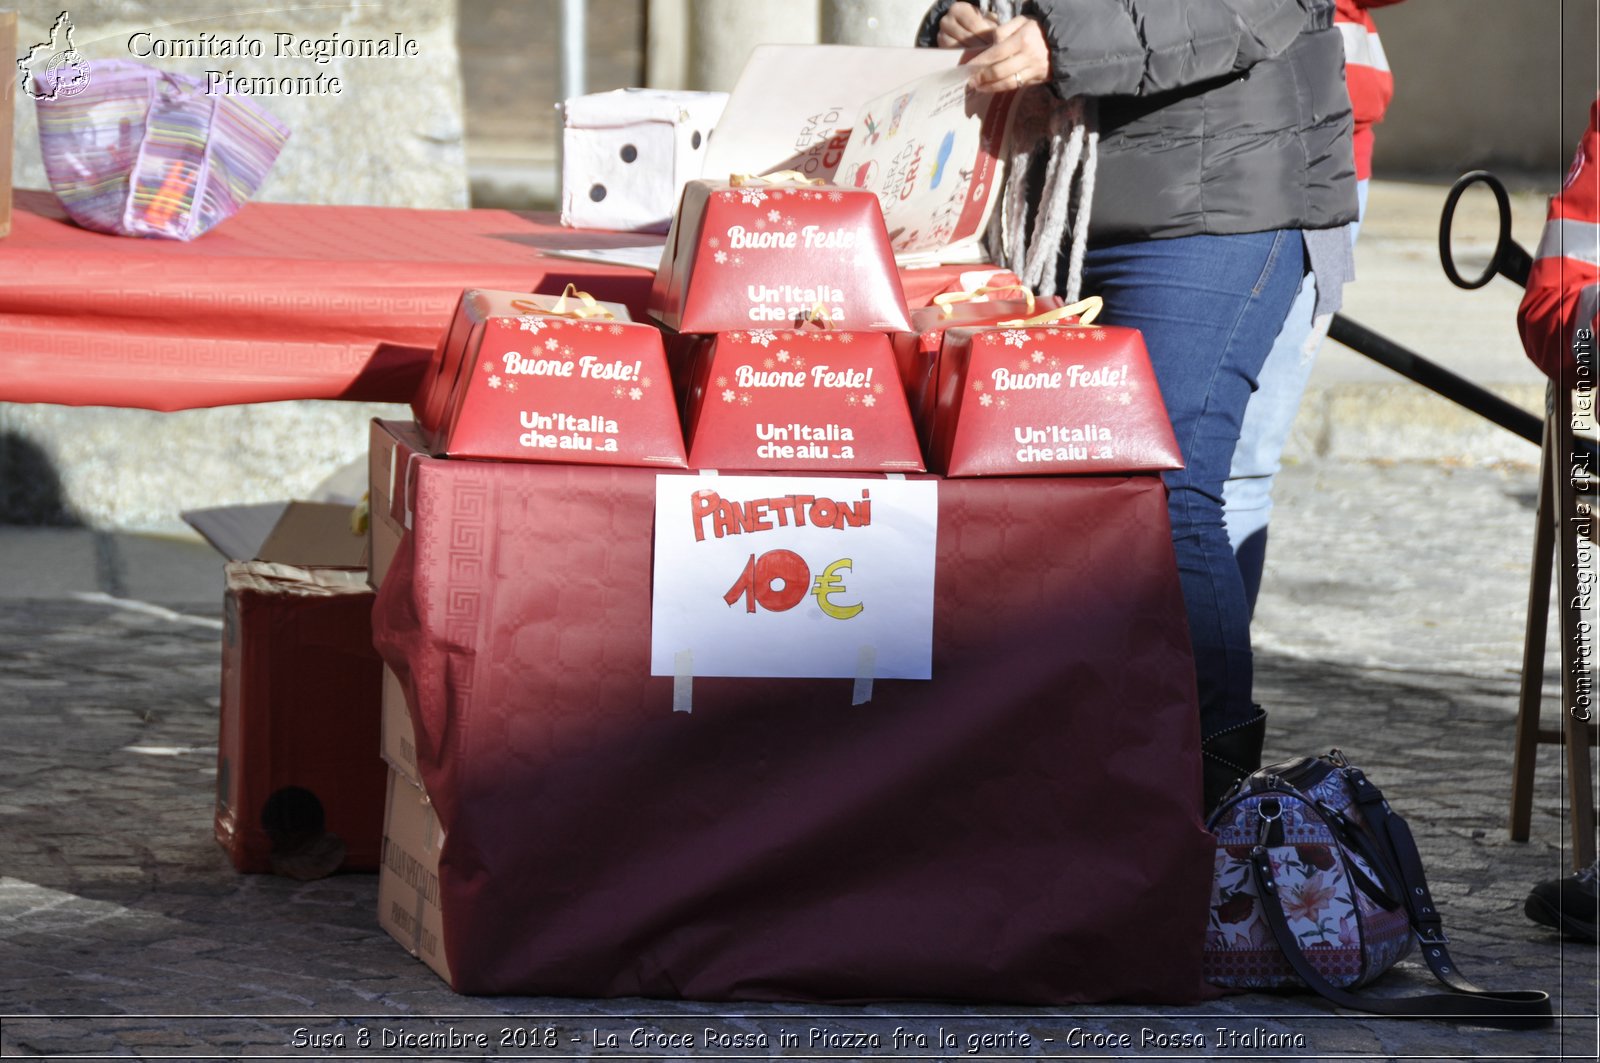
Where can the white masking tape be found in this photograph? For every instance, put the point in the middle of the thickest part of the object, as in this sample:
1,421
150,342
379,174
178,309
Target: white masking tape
394,450
683,681
406,486
866,665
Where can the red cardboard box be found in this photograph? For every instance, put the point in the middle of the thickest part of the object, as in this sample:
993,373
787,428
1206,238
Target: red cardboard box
799,400
1022,828
684,351
765,256
1048,399
917,352
534,387
461,340
301,710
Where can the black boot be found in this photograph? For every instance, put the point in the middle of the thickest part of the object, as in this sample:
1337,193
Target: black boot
1230,755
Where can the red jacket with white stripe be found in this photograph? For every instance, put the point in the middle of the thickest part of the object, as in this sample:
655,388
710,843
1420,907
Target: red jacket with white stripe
1564,284
1366,74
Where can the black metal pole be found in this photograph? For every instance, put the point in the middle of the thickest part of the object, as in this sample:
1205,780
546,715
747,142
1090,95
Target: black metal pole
1437,379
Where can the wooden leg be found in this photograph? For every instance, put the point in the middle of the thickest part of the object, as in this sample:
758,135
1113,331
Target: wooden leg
1575,596
1580,791
1530,694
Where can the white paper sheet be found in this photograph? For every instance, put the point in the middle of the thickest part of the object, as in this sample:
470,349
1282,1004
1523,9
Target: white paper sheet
749,585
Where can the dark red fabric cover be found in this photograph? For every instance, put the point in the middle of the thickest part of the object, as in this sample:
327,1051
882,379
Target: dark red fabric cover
282,301
1023,828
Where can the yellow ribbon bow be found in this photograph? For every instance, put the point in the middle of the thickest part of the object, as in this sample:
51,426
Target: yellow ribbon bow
946,301
781,177
588,306
818,316
1085,310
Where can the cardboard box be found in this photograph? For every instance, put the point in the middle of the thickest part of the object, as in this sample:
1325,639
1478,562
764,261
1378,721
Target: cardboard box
8,105
626,154
684,350
600,844
298,738
775,255
1048,399
300,690
386,492
408,880
545,388
399,737
789,400
309,534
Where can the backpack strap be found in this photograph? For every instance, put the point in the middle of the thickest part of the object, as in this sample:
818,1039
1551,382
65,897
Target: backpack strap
1512,1009
1393,834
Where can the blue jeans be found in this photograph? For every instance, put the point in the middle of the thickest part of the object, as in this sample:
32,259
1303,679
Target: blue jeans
1267,420
1209,308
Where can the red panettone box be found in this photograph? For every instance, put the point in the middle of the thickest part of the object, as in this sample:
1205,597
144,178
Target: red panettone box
534,386
684,350
796,400
465,333
763,256
917,352
1049,398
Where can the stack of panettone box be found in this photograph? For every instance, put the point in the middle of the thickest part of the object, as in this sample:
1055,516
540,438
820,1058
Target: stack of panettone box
781,299
516,377
780,347
782,343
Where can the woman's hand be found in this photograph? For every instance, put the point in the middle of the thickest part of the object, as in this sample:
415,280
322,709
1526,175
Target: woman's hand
1018,57
964,26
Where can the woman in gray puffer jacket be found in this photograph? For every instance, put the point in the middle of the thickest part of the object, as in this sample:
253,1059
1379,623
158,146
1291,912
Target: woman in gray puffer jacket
1201,158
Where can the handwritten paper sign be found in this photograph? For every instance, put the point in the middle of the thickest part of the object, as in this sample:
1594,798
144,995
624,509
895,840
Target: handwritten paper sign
791,576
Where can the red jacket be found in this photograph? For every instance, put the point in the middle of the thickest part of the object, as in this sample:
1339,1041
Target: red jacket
1564,284
1366,73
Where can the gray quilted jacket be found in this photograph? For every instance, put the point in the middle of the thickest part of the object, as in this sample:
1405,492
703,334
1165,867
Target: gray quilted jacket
1215,116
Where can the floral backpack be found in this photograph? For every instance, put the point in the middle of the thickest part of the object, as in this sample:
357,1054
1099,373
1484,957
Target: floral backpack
1318,884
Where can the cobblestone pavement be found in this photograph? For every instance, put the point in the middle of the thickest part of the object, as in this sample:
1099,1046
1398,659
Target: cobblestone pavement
1391,627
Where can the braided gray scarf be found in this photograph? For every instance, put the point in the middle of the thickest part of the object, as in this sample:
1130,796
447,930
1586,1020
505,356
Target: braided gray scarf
1065,134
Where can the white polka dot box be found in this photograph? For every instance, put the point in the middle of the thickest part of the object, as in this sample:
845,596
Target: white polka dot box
626,154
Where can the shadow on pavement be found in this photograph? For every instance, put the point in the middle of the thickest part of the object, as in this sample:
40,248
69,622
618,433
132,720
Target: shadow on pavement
114,899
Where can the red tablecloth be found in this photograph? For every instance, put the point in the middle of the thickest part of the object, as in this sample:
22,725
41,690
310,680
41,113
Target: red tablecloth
1022,828
282,301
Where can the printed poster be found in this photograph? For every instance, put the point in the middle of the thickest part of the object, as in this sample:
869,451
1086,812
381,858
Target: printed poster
930,149
794,104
